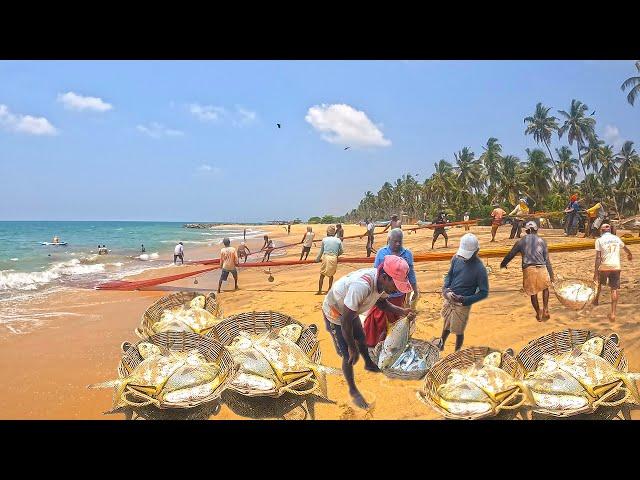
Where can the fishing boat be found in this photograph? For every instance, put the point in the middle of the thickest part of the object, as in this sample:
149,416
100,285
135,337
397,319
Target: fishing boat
54,244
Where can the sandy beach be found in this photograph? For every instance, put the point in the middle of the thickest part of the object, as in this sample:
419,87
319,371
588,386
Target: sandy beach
46,370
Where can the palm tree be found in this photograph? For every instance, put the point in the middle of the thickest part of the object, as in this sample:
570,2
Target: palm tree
441,184
537,174
512,183
633,84
565,167
579,128
470,173
608,165
626,156
542,126
490,159
592,153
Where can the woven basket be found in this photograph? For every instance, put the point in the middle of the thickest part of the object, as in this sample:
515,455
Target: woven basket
154,312
568,301
556,343
260,322
437,375
179,342
423,347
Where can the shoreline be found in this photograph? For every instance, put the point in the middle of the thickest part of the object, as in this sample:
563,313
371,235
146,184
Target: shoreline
47,369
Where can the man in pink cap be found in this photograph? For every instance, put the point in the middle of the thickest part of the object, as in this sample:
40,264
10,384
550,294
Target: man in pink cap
354,294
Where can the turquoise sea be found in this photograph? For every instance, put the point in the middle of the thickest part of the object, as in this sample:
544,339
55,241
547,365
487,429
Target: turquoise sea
27,266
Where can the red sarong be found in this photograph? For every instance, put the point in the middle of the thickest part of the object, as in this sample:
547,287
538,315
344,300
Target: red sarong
377,320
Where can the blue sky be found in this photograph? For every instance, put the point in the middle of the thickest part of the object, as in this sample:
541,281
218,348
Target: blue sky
197,140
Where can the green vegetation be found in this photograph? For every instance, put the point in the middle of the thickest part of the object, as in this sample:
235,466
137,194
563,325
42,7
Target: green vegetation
326,219
473,183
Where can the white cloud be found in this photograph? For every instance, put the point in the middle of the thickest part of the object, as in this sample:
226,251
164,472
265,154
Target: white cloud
245,116
342,124
157,130
25,123
211,113
73,101
208,168
612,136
207,113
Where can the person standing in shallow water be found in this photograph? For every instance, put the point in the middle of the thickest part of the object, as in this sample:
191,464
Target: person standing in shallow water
353,294
537,273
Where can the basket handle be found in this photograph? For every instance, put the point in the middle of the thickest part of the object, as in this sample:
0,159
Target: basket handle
290,387
139,334
150,400
601,402
515,406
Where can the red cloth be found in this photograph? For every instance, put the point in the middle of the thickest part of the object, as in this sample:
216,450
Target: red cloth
376,321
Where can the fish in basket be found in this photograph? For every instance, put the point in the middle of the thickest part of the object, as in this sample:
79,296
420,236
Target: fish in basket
400,356
181,312
574,294
171,370
579,380
271,363
473,383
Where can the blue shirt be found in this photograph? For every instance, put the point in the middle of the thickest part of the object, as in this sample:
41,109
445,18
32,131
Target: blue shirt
404,254
330,246
468,278
575,207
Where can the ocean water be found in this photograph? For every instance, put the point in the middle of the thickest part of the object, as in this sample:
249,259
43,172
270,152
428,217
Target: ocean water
27,267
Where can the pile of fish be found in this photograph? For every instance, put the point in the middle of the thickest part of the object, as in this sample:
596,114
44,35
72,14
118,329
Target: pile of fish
477,389
191,317
272,360
398,352
574,293
574,380
167,377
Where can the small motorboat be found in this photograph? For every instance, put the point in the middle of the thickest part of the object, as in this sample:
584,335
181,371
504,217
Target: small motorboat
54,244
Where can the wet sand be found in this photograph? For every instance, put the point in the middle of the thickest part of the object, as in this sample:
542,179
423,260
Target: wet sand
46,371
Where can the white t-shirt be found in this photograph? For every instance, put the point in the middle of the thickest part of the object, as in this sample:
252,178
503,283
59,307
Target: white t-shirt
466,218
609,246
308,239
370,227
357,291
178,250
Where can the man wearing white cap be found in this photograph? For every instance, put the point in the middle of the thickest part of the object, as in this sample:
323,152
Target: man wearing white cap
353,294
466,283
608,265
537,273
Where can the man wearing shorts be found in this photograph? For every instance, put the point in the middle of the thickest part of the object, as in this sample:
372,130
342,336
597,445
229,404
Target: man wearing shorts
465,284
608,266
307,242
229,262
354,294
537,273
330,250
497,213
243,251
178,253
440,220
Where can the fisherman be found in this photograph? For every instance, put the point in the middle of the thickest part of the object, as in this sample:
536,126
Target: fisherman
178,252
268,248
354,294
307,242
370,229
607,268
143,249
339,232
394,223
243,251
466,283
572,211
330,250
466,219
288,228
537,273
497,213
521,209
441,219
228,263
595,217
378,321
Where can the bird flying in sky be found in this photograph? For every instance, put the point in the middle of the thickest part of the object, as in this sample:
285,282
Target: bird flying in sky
278,125
347,148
